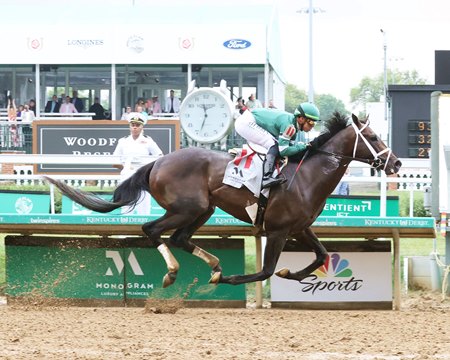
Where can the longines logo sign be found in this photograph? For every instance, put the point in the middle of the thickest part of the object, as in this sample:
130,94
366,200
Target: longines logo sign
85,43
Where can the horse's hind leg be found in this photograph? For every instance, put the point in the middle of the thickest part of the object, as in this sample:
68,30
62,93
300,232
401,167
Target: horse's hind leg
309,238
181,239
156,228
185,224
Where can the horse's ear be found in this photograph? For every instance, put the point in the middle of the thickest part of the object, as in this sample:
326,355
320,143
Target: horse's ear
355,119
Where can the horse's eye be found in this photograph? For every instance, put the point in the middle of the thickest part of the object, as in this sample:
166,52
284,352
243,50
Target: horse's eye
373,138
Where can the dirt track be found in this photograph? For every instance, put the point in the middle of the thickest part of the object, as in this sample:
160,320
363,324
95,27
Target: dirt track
421,330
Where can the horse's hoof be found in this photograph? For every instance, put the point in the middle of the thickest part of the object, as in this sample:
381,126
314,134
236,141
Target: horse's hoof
215,278
169,279
282,272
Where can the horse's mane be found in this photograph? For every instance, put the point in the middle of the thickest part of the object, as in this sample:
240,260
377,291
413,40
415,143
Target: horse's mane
332,126
336,123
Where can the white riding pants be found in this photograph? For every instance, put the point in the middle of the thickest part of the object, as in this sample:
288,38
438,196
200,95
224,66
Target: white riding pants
247,127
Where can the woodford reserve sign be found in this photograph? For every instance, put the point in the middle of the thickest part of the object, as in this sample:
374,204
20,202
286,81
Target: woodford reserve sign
99,137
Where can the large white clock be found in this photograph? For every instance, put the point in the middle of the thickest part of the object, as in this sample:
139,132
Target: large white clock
206,114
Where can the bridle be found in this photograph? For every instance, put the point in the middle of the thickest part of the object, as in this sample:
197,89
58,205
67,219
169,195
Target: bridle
377,163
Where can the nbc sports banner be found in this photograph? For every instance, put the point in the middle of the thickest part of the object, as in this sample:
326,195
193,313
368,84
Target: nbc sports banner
362,275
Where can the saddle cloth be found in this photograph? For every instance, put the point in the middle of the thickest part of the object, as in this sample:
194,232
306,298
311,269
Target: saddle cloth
245,170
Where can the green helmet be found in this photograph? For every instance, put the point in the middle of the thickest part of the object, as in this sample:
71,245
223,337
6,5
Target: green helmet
308,110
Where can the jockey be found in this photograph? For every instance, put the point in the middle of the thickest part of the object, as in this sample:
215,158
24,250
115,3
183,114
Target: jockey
273,129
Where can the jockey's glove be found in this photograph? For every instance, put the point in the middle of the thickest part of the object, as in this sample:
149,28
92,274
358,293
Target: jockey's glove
313,144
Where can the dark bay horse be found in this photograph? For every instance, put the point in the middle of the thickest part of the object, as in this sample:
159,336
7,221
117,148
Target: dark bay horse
188,184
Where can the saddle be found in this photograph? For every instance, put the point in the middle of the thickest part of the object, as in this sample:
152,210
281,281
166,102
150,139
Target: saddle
246,170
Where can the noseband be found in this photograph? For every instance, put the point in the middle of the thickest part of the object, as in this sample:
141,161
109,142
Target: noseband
377,163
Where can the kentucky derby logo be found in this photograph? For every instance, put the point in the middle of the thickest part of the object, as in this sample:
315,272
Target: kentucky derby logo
136,43
237,44
35,44
186,43
335,275
23,205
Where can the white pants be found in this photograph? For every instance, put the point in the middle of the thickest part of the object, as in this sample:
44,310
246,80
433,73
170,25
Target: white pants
247,127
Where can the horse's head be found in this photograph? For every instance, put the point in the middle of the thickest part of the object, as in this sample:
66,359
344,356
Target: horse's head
368,145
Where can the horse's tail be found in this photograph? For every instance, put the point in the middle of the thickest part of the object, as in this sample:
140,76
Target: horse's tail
129,192
126,194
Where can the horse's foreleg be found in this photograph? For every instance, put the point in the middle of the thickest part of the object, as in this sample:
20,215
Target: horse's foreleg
309,238
274,246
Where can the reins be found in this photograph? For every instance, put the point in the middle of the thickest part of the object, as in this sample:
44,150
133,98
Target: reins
367,161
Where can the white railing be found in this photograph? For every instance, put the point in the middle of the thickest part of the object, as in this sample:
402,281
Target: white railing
409,183
66,116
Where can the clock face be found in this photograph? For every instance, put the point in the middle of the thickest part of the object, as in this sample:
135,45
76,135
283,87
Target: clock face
206,115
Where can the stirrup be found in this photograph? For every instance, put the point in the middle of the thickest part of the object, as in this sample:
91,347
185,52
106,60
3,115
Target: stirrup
270,181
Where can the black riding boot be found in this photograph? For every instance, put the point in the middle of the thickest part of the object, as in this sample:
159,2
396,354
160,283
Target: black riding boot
269,167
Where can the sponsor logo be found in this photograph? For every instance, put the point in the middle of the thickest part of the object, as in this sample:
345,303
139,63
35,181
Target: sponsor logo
132,288
136,43
85,43
35,44
237,44
186,43
333,276
39,220
119,263
23,205
349,209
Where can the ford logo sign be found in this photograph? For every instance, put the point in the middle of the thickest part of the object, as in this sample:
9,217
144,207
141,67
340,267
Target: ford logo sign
237,44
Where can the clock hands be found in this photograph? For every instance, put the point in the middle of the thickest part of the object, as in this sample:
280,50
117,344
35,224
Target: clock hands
205,108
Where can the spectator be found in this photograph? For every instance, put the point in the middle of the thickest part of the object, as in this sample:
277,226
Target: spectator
253,102
24,131
52,105
236,139
343,188
130,148
67,107
271,105
98,109
11,137
148,105
156,109
27,114
172,105
77,102
32,105
240,107
19,111
126,113
140,109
